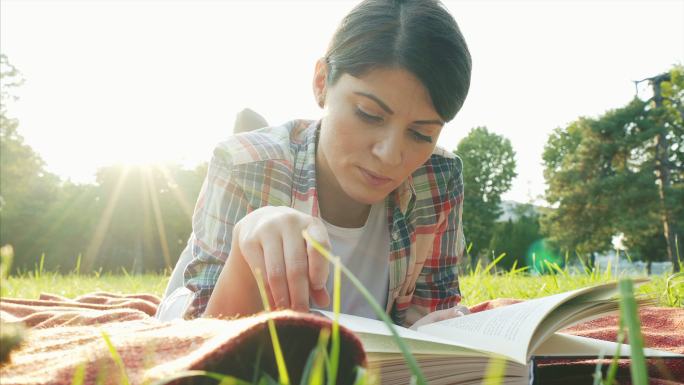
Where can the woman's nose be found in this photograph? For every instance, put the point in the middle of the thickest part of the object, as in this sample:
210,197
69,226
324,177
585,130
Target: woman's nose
389,149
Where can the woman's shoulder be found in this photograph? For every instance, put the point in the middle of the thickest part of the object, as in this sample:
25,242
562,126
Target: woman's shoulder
276,143
436,183
440,168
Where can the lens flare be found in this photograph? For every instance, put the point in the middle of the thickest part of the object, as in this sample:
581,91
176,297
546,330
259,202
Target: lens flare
540,255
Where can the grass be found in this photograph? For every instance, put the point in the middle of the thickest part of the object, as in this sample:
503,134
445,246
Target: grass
478,285
477,288
72,285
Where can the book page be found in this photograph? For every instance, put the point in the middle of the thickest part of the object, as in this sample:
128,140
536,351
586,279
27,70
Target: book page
506,330
375,344
376,337
567,345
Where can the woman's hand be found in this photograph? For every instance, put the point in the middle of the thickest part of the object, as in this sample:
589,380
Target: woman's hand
269,240
439,315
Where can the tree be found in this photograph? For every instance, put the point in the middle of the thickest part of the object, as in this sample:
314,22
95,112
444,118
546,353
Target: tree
516,236
134,217
26,188
603,177
144,216
488,170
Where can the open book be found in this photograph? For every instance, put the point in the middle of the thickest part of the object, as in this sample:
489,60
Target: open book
458,350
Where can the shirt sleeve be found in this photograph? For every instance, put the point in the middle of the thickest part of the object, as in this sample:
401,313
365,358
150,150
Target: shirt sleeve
437,285
220,205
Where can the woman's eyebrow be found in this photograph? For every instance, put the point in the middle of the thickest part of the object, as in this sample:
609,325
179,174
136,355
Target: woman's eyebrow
377,100
389,110
437,122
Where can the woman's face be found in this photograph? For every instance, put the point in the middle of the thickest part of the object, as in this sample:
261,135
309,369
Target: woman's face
377,129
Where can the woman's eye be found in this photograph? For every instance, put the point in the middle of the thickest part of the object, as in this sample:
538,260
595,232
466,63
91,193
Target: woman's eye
368,117
420,137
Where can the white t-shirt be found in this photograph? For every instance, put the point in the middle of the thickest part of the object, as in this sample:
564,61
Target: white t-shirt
364,251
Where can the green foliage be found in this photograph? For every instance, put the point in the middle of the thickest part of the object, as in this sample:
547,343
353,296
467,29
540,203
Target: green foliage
674,290
140,214
123,377
6,257
601,174
11,334
488,170
143,217
27,190
496,371
516,237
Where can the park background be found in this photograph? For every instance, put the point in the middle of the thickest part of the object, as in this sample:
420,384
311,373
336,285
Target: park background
110,111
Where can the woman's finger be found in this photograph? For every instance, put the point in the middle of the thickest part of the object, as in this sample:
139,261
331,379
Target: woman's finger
276,271
296,267
462,309
252,253
441,315
319,267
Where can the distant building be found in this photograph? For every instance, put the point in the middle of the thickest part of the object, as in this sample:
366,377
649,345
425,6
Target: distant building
513,210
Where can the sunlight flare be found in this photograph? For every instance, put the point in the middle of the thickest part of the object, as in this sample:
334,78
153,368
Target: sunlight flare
103,225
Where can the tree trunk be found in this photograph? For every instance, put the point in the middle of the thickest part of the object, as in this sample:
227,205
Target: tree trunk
662,172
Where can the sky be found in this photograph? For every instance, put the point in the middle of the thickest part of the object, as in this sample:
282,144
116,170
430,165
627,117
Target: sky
150,81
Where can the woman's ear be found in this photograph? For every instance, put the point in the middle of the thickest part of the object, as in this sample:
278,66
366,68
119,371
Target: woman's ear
319,81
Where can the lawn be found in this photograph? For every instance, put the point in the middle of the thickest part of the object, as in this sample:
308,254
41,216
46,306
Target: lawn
476,286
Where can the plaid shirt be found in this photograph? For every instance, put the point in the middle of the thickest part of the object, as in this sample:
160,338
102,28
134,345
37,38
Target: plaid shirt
275,166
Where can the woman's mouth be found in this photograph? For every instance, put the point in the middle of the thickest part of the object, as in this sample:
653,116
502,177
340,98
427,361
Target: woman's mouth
374,179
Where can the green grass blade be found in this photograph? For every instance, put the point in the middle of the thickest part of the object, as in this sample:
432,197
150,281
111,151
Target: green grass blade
268,380
6,257
597,371
496,369
77,268
308,367
679,259
410,360
319,363
335,346
493,263
257,364
613,368
222,378
674,286
116,357
39,267
79,374
361,376
628,311
277,351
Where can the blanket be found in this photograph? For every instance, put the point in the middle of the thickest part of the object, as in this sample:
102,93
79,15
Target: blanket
65,333
70,335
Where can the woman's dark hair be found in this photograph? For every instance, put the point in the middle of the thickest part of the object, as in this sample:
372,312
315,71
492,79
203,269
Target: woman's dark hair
417,35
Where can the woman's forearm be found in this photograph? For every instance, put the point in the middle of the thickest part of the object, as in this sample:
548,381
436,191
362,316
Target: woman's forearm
236,292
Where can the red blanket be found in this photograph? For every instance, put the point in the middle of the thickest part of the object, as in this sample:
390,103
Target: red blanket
66,332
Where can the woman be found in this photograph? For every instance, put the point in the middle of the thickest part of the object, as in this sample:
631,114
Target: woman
366,180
